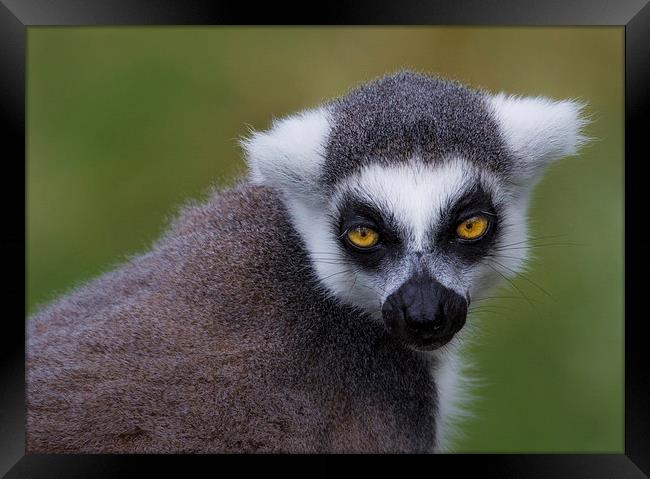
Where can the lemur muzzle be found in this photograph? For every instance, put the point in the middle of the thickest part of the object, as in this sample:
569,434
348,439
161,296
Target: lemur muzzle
424,313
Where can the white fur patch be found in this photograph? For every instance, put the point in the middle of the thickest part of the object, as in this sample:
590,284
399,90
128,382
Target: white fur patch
289,156
413,193
453,394
539,130
338,276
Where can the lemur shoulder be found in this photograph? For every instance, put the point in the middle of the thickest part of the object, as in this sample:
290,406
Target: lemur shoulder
319,304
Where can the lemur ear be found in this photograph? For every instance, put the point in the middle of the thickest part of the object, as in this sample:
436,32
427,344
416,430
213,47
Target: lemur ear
538,130
289,156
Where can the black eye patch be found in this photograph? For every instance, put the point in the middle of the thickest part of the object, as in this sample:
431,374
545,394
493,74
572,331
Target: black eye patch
475,202
352,213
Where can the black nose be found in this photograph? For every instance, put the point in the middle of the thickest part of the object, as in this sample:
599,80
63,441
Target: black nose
423,312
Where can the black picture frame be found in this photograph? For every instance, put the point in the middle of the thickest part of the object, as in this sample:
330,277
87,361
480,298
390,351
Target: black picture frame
17,15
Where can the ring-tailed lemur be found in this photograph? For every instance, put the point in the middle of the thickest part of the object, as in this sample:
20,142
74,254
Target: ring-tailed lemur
318,305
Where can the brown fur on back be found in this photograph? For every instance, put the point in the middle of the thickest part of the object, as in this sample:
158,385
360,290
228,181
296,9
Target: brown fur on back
220,340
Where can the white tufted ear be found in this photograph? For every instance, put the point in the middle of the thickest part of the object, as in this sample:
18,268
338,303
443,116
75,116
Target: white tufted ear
538,130
289,156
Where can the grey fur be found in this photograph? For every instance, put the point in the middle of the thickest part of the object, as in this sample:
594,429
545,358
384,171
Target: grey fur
406,115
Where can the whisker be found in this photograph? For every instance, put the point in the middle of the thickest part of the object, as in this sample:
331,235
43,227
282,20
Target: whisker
324,261
490,311
533,246
338,272
511,283
530,241
505,256
526,278
371,288
497,298
374,288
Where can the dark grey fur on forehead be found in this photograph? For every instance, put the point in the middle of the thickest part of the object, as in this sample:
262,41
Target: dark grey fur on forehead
408,114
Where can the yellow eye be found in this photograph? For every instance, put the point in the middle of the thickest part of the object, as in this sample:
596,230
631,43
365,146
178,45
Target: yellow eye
472,228
363,237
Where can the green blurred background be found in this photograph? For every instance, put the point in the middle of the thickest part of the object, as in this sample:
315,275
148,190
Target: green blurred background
125,124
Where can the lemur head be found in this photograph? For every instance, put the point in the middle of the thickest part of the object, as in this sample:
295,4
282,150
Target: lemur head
410,193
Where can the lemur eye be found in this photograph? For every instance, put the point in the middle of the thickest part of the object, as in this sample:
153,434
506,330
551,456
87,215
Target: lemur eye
472,228
363,237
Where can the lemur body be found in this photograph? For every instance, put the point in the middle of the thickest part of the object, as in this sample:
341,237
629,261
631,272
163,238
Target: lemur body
265,320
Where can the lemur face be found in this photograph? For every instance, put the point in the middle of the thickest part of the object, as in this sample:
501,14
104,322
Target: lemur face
413,243
410,194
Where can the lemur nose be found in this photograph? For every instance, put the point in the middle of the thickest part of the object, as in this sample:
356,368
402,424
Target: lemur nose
425,320
424,309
